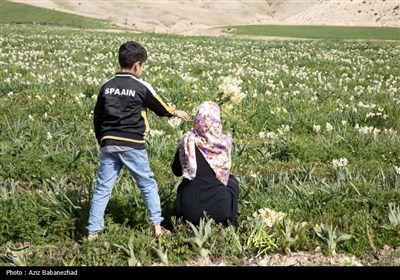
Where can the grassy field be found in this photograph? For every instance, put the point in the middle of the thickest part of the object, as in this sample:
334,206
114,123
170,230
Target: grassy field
316,148
319,32
17,13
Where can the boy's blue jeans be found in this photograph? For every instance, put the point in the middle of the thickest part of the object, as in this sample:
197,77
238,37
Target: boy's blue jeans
136,161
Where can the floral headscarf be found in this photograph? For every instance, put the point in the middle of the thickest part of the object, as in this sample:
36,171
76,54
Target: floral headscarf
208,137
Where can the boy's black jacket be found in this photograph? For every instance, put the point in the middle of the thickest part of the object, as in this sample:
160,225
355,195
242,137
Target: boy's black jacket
120,114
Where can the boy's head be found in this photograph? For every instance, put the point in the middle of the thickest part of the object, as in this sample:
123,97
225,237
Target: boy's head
131,53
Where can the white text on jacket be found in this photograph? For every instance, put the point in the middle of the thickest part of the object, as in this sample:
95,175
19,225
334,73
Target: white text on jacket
117,91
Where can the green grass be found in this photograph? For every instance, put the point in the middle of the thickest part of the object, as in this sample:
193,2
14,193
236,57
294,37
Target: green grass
319,32
21,13
49,157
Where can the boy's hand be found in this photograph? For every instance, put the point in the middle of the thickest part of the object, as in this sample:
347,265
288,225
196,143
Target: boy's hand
182,114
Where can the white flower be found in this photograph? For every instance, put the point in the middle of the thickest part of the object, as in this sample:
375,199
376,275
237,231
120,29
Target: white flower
397,169
376,131
30,118
49,136
174,122
230,88
78,100
272,135
346,261
238,97
171,105
328,127
261,134
253,175
269,216
155,133
263,262
10,94
283,129
342,162
316,128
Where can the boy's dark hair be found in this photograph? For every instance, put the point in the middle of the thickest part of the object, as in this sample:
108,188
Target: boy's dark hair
130,53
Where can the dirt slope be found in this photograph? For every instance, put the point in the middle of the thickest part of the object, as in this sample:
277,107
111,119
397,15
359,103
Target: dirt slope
195,17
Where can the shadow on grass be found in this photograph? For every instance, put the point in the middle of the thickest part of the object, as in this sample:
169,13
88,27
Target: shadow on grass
167,197
127,209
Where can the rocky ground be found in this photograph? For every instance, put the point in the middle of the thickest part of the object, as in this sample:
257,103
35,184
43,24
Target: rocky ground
385,257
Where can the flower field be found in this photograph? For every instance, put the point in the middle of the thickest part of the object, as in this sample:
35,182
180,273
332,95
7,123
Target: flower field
315,126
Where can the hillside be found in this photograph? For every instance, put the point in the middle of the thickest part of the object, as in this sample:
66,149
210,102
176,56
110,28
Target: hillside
202,16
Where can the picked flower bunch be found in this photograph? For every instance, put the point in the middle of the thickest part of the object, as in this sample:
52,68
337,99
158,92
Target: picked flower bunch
230,90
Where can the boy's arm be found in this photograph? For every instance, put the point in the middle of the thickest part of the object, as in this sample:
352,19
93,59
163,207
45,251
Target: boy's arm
182,114
158,106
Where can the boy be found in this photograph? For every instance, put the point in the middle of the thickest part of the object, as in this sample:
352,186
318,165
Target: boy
120,123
